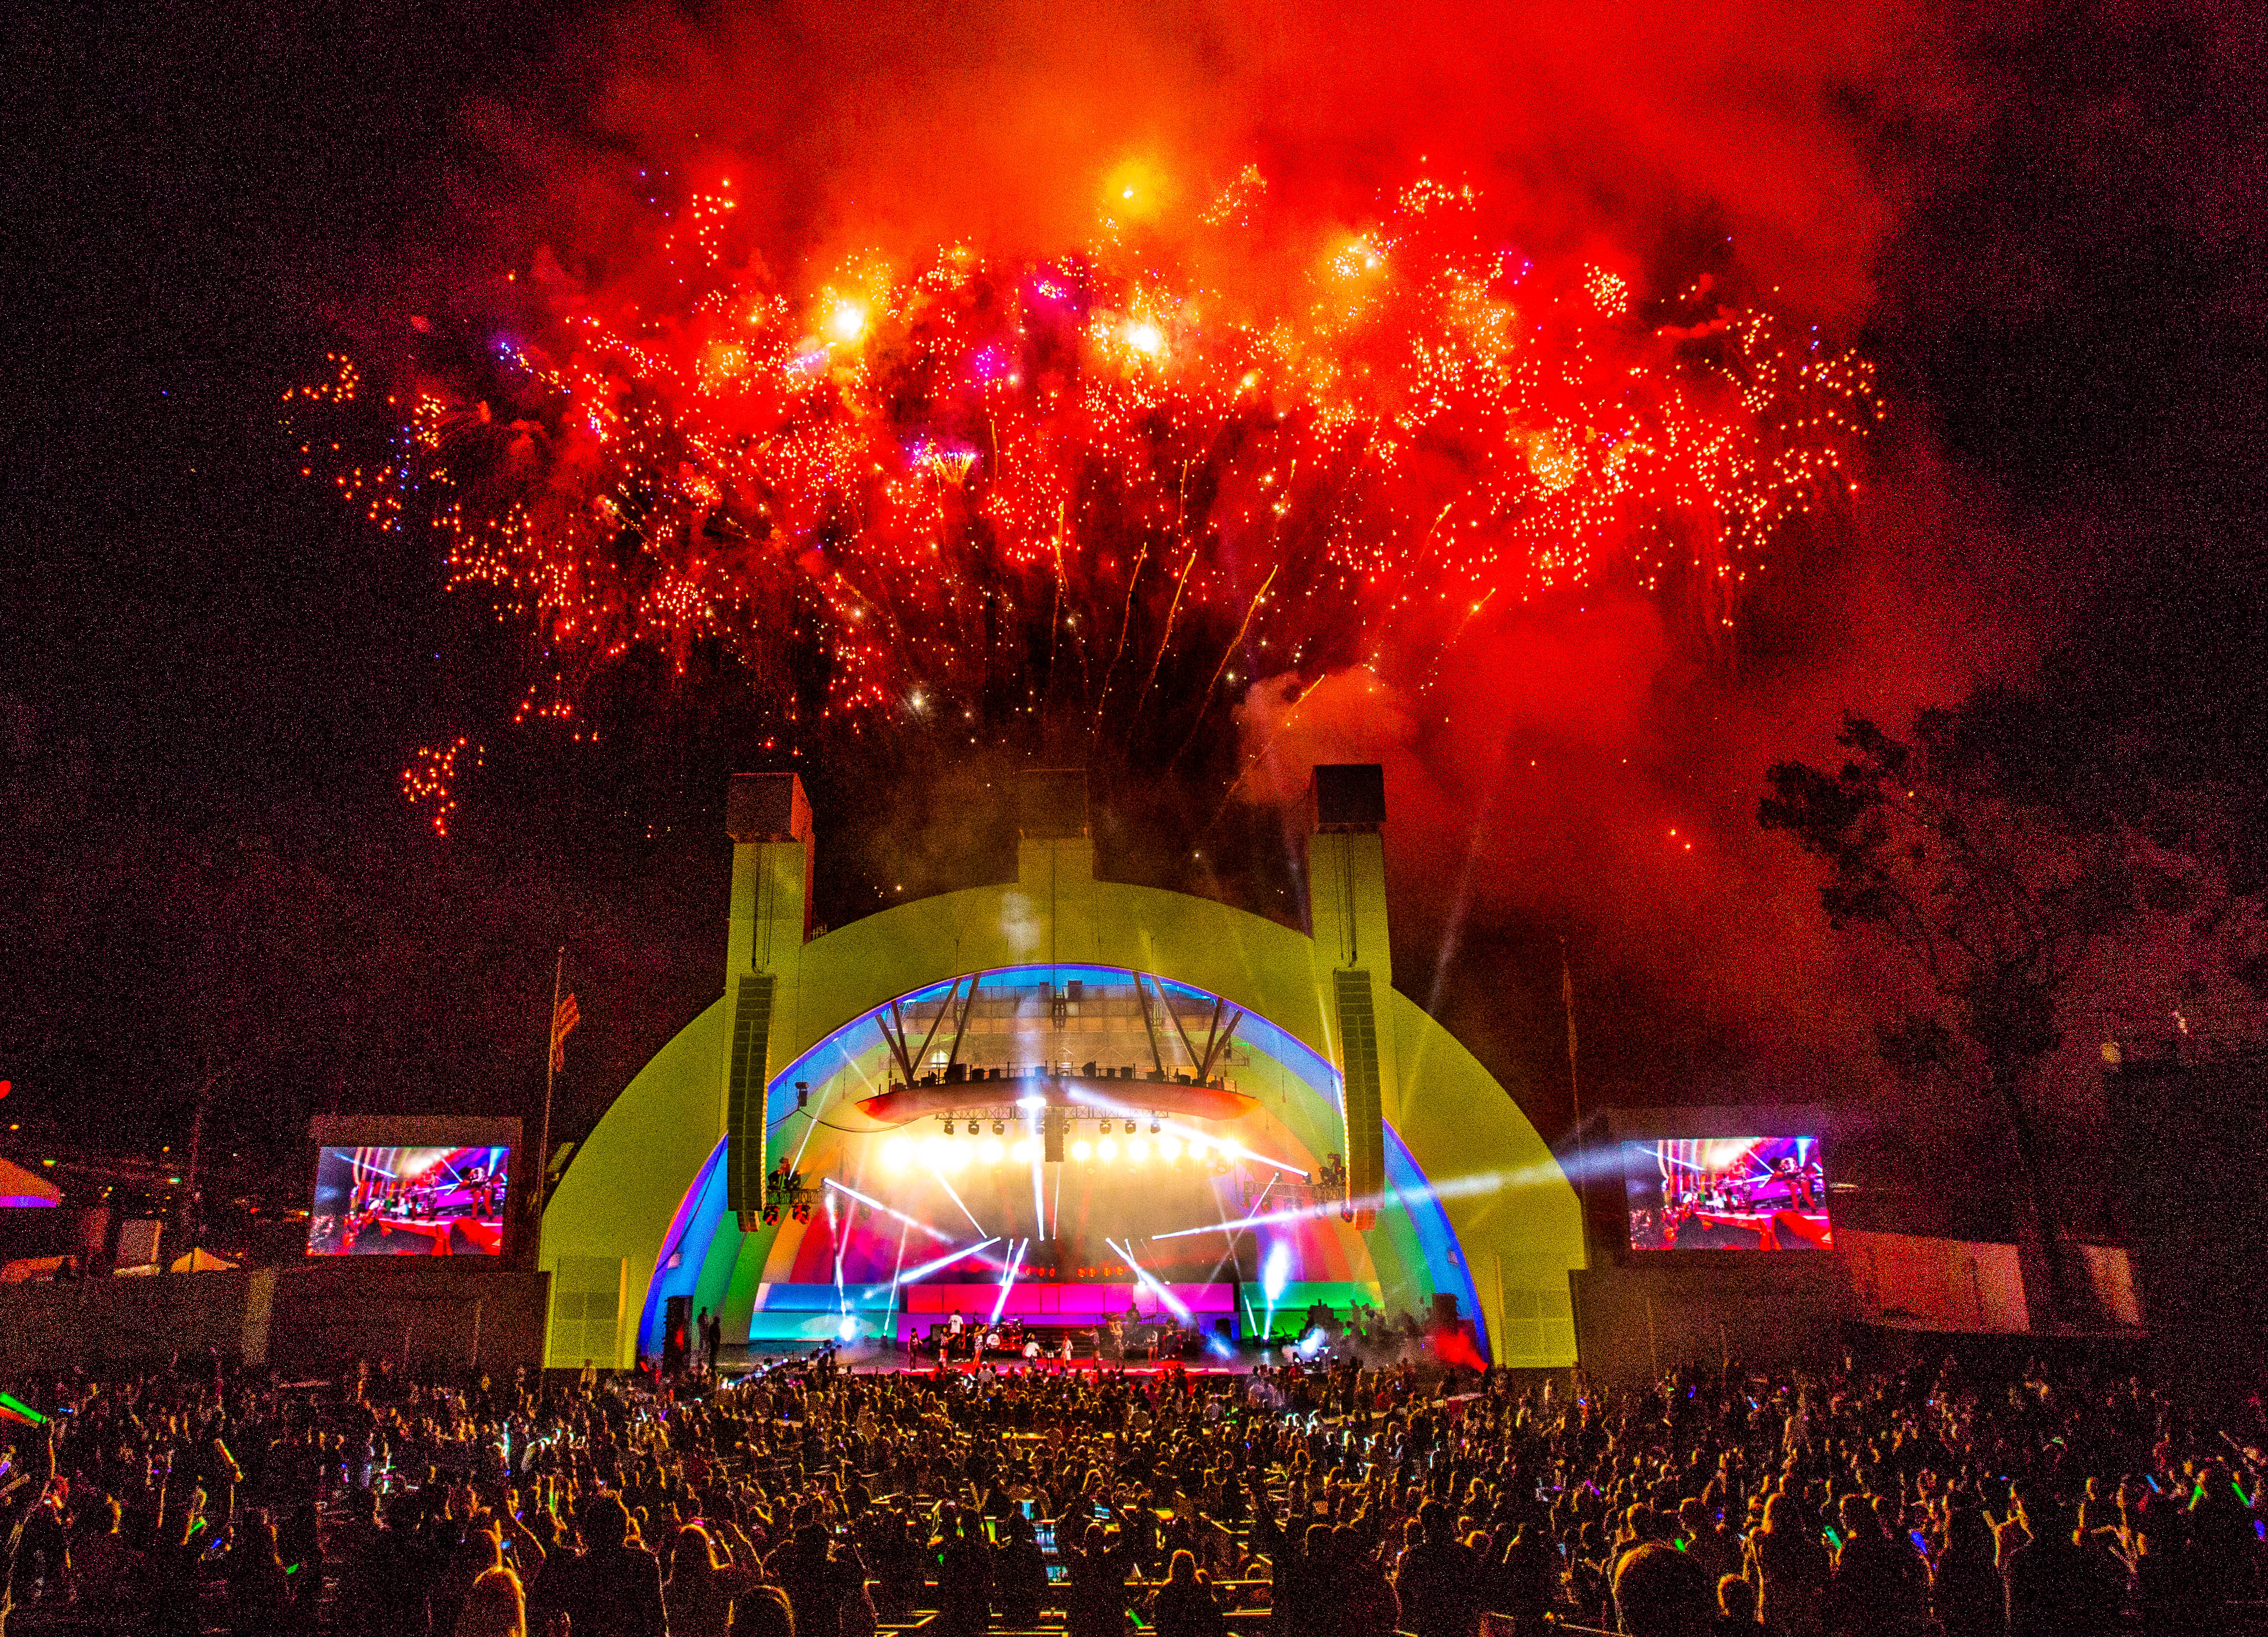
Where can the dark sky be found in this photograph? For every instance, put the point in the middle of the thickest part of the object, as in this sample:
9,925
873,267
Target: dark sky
2044,226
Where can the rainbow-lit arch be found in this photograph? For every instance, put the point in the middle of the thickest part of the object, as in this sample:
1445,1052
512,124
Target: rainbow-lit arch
1476,1205
705,1255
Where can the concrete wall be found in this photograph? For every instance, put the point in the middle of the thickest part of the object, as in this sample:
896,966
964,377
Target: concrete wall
100,1322
1635,1320
1907,1281
423,1313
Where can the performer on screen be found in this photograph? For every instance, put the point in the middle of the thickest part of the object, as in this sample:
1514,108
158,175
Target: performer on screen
1799,1180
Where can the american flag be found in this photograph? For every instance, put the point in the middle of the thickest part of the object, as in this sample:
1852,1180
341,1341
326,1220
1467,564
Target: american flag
564,1019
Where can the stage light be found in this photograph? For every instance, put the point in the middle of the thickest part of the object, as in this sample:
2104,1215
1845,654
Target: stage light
1082,1150
1170,1148
956,1156
934,1151
1154,1127
896,1153
948,1128
991,1152
1129,1128
1023,1151
1000,1128
1107,1148
1138,1150
1198,1147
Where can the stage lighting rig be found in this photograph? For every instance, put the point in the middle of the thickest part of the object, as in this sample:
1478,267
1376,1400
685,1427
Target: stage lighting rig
786,1195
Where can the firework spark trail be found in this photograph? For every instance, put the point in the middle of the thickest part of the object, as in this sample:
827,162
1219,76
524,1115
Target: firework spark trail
1118,652
432,777
855,497
1227,654
1165,641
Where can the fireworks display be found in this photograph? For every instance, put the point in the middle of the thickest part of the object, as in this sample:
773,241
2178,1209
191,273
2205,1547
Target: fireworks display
1084,504
430,778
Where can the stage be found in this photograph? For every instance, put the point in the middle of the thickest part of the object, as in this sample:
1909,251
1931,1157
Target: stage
731,1369
919,1100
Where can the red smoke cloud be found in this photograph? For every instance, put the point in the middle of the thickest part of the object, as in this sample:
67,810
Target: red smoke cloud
903,127
1591,767
1588,775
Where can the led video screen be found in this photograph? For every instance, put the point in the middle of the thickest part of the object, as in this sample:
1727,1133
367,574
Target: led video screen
408,1202
1726,1193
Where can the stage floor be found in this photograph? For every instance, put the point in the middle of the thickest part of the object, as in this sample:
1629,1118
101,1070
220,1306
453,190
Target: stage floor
871,1366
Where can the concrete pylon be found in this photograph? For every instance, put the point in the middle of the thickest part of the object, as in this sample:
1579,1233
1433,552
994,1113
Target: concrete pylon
768,818
1354,965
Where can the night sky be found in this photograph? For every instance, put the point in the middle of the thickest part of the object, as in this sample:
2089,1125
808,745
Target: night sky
2043,225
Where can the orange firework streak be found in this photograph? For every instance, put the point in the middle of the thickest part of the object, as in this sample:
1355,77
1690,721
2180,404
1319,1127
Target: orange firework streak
938,487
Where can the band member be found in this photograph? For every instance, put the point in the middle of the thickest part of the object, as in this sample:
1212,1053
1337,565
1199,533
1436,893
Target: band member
1799,1180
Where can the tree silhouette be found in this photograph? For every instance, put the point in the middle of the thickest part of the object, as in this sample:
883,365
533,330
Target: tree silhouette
1994,850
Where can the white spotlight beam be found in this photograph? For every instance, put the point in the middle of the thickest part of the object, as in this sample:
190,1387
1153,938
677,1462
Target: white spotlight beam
1181,1309
898,1268
954,1193
891,1212
1118,1109
913,1274
1230,1248
842,1242
1008,1281
1237,1152
1456,1188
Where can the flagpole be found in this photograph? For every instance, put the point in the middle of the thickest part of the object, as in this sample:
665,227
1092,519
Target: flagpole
550,1073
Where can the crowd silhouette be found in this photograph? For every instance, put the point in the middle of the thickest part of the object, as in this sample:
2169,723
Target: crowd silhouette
1325,1499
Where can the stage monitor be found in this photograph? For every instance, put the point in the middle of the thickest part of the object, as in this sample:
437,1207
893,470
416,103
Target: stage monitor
412,1187
1726,1193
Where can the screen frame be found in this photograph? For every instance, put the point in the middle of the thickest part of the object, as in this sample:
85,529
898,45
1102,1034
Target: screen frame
426,1130
1828,1123
1629,1148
